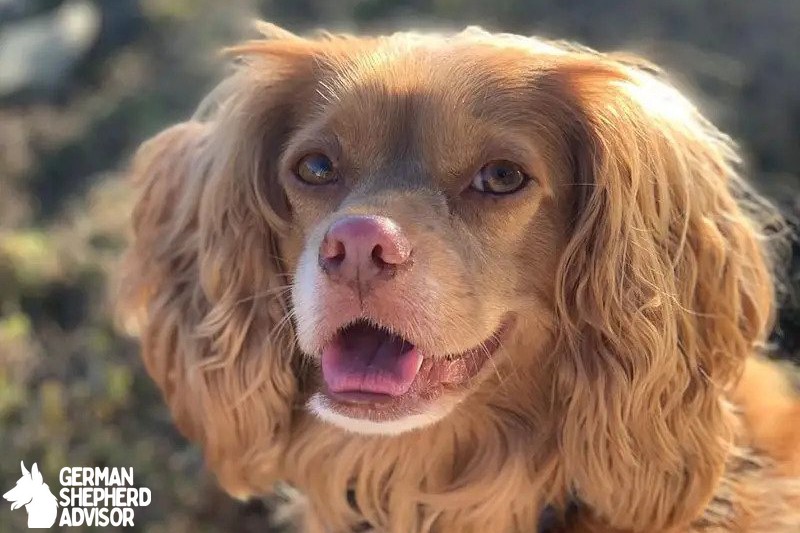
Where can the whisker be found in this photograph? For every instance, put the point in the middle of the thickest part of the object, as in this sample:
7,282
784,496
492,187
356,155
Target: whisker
269,292
277,329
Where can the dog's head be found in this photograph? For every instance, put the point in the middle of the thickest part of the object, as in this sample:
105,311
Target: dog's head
377,229
28,487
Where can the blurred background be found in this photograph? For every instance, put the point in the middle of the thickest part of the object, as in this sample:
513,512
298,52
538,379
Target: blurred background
83,82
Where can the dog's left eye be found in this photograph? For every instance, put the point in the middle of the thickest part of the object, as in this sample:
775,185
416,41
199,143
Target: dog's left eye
500,177
316,169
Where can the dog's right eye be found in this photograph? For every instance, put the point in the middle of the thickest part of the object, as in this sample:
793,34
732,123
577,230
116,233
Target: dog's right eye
316,169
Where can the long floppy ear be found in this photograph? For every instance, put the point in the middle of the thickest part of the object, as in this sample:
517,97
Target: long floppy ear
204,279
663,292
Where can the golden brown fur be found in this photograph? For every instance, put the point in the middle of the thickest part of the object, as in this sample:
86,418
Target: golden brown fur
641,286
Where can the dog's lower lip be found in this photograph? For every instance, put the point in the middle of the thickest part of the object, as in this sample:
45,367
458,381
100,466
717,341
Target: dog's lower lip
361,398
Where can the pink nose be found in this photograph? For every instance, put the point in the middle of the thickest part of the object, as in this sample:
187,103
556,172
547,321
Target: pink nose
359,249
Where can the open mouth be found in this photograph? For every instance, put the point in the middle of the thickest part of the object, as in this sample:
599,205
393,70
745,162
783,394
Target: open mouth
368,370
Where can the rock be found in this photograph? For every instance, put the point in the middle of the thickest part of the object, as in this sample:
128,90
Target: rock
38,54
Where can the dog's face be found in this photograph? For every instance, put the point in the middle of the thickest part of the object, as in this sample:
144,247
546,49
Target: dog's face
544,231
428,213
27,487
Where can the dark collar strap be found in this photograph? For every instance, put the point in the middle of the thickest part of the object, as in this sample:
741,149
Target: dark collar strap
552,520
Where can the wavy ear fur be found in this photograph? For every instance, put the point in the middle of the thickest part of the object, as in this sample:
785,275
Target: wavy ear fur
663,292
204,278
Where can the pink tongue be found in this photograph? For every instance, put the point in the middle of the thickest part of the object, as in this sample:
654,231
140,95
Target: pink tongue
363,358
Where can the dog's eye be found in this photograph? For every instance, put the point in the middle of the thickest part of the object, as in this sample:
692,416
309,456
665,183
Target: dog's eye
316,169
500,177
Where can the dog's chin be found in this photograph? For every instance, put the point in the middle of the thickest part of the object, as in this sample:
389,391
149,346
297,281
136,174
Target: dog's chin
376,382
366,421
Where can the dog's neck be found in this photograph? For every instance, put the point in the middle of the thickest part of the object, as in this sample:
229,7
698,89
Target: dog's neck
485,455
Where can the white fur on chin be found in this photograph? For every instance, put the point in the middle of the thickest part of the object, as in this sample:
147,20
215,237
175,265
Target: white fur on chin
320,406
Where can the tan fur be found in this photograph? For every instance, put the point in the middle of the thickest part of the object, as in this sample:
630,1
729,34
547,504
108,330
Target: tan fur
640,284
771,409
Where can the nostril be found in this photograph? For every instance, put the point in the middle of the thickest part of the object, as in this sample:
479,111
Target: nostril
392,251
335,251
377,257
332,253
336,259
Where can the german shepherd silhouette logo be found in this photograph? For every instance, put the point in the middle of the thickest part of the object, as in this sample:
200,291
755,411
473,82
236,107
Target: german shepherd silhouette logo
33,493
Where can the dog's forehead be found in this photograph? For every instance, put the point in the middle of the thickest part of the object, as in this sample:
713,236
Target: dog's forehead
448,79
428,104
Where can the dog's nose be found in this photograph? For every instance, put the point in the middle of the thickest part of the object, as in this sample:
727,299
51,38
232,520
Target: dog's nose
358,249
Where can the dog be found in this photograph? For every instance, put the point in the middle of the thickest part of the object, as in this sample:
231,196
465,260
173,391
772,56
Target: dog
464,282
32,492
